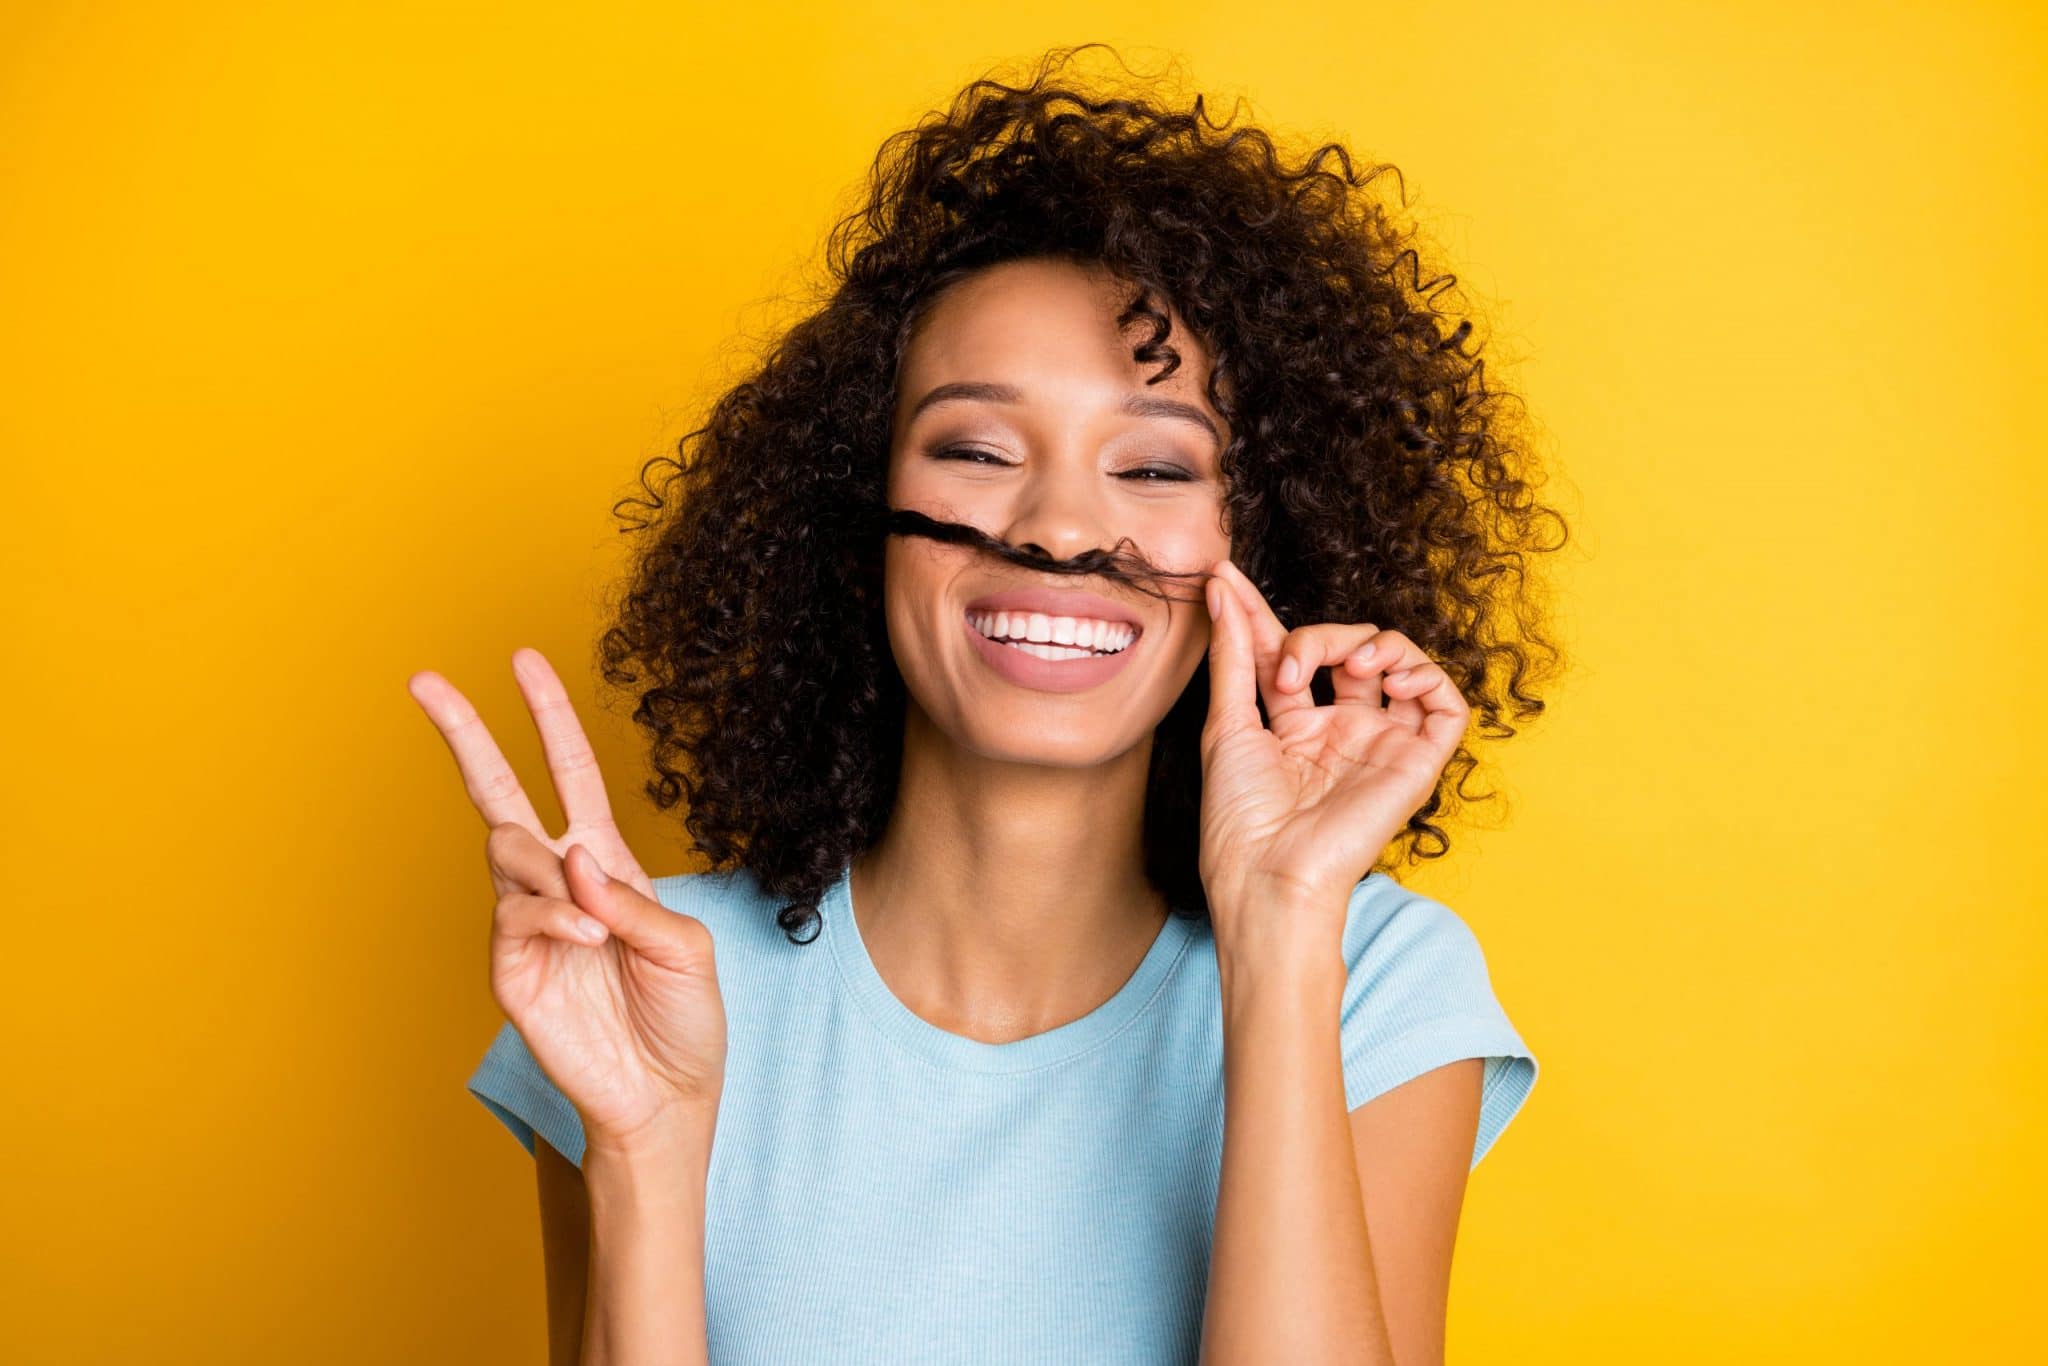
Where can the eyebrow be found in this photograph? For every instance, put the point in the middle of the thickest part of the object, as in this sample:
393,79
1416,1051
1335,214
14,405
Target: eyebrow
1138,405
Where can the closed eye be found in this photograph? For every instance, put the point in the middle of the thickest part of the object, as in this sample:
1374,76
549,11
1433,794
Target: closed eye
1150,474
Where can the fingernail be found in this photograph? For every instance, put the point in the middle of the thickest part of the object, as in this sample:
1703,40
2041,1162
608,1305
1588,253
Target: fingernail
590,929
1290,670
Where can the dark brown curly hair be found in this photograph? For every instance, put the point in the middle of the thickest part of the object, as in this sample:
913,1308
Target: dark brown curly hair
1370,477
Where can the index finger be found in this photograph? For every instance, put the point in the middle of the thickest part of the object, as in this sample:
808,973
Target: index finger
1268,636
1233,685
492,785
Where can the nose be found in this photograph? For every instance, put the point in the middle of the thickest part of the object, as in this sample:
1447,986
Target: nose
1060,511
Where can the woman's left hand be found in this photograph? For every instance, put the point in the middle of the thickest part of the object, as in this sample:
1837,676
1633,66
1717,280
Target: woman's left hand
1299,808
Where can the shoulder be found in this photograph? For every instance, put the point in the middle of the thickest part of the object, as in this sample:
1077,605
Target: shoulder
750,943
1392,930
731,903
710,889
1418,994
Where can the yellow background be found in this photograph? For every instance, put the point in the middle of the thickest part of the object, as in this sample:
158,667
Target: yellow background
332,332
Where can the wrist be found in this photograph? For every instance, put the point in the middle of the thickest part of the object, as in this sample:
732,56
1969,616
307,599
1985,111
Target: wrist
646,1188
1280,933
1305,979
677,1140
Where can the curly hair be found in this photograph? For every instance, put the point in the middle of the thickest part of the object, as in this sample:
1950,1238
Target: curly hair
1370,474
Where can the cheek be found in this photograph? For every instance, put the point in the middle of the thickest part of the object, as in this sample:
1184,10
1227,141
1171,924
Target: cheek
1185,534
1190,550
902,572
915,574
1190,545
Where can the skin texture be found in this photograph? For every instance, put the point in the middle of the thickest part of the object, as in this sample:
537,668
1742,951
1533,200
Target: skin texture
565,1249
1412,1147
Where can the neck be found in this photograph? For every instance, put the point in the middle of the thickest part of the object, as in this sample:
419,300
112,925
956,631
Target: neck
1006,899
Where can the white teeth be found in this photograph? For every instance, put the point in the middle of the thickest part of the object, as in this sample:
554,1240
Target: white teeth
1052,637
1049,651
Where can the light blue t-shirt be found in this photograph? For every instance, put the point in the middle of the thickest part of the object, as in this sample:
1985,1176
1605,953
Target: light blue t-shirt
881,1189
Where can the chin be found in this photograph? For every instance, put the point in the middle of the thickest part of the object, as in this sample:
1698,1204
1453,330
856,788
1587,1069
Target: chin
1046,742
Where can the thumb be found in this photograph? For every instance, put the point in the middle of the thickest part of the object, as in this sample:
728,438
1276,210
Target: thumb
1233,674
644,924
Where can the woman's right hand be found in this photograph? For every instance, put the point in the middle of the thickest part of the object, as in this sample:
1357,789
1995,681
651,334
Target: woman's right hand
628,1023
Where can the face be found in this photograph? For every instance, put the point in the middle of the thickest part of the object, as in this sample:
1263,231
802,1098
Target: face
1038,446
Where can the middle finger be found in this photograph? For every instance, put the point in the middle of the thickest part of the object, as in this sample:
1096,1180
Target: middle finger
571,763
1360,673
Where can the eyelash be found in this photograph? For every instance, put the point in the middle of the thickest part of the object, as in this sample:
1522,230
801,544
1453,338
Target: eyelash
1171,474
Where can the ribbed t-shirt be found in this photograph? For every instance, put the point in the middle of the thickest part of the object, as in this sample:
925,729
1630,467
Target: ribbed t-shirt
881,1189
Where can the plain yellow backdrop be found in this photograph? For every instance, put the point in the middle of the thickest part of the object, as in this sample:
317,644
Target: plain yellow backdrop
331,333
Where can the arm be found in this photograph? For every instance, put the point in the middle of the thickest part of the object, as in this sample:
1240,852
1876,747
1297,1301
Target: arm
1293,1272
1414,1151
646,1250
564,1249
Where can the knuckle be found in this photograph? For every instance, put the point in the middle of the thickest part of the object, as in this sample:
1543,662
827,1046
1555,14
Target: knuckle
694,934
498,786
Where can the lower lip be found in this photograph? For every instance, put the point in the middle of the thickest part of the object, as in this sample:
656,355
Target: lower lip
1049,675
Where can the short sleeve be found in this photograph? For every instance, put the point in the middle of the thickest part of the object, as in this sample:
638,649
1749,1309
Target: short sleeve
1417,996
512,1086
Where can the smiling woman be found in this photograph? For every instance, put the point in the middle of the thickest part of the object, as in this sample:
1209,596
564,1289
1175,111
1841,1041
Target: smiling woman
1056,643
1025,414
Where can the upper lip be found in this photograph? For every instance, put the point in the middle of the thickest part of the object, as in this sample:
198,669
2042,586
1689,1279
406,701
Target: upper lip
1056,602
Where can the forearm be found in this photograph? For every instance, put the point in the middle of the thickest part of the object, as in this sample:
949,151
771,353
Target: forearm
1291,1271
645,1303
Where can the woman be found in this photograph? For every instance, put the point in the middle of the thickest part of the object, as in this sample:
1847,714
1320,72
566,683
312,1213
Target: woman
1047,1000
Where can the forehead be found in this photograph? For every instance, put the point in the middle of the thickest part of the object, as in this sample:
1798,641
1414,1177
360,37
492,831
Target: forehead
1050,327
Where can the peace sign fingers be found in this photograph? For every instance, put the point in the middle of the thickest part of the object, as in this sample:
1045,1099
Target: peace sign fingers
492,785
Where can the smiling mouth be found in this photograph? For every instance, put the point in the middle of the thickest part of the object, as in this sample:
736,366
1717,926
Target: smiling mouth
1049,637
